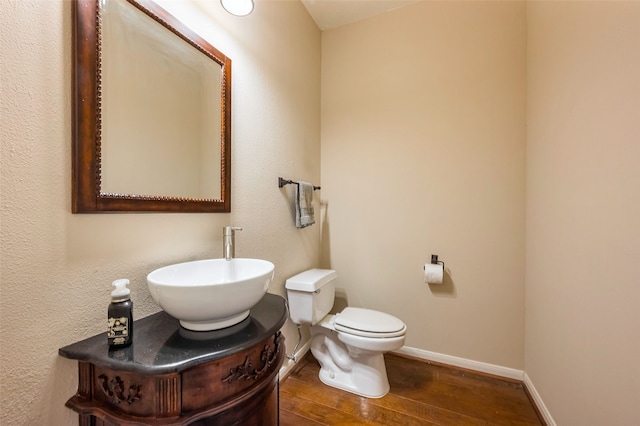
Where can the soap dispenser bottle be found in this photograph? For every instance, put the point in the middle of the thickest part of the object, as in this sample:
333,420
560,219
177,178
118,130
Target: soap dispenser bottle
120,315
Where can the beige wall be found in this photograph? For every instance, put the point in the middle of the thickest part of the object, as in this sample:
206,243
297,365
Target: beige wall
423,143
57,267
583,210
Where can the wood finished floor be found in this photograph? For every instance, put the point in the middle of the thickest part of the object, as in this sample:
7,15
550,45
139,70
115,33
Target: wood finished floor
421,393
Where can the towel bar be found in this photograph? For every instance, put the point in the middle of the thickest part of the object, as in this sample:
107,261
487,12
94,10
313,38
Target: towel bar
282,182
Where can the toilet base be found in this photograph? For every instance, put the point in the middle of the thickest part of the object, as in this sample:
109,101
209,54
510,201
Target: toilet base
377,383
354,370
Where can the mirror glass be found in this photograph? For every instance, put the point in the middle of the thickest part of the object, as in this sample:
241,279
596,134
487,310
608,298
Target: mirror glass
160,98
160,104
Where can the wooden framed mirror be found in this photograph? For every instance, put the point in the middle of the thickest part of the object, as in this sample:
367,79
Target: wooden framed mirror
152,112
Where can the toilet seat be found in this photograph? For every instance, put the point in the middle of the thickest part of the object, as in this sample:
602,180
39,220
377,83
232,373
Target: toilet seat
368,323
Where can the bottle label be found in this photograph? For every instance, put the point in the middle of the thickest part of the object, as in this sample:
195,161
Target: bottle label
118,330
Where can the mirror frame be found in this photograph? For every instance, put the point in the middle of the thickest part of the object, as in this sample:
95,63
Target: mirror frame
87,92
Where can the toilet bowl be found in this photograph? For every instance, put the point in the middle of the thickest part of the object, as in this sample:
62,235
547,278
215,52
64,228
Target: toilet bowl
350,345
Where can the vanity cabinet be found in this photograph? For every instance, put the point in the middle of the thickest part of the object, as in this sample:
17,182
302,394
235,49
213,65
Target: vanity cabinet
173,376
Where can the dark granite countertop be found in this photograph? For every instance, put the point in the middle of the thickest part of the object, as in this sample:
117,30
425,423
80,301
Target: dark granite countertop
161,346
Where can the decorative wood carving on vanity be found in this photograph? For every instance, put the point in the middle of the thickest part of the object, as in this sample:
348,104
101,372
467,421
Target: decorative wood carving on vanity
268,357
114,389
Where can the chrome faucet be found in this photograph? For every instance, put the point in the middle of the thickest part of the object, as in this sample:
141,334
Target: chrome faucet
228,241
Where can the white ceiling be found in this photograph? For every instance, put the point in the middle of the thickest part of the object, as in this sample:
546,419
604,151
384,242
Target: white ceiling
330,14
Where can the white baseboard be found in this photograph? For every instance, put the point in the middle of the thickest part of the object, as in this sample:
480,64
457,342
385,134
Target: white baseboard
544,412
288,364
482,367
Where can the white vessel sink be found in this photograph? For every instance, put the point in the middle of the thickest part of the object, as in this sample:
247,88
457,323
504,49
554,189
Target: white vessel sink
210,294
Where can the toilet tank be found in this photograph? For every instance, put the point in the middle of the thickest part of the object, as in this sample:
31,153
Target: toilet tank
311,295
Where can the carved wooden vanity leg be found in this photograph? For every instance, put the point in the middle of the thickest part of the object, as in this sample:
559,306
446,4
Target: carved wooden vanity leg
84,390
169,400
84,379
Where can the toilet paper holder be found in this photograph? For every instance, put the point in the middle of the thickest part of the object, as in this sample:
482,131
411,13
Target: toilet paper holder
435,261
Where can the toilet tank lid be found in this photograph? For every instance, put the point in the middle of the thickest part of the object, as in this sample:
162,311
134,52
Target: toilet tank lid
310,280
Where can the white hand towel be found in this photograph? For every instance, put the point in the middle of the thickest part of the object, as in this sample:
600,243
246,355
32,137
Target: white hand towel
304,205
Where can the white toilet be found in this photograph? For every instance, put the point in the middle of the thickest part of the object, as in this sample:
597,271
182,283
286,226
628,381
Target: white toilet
349,346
